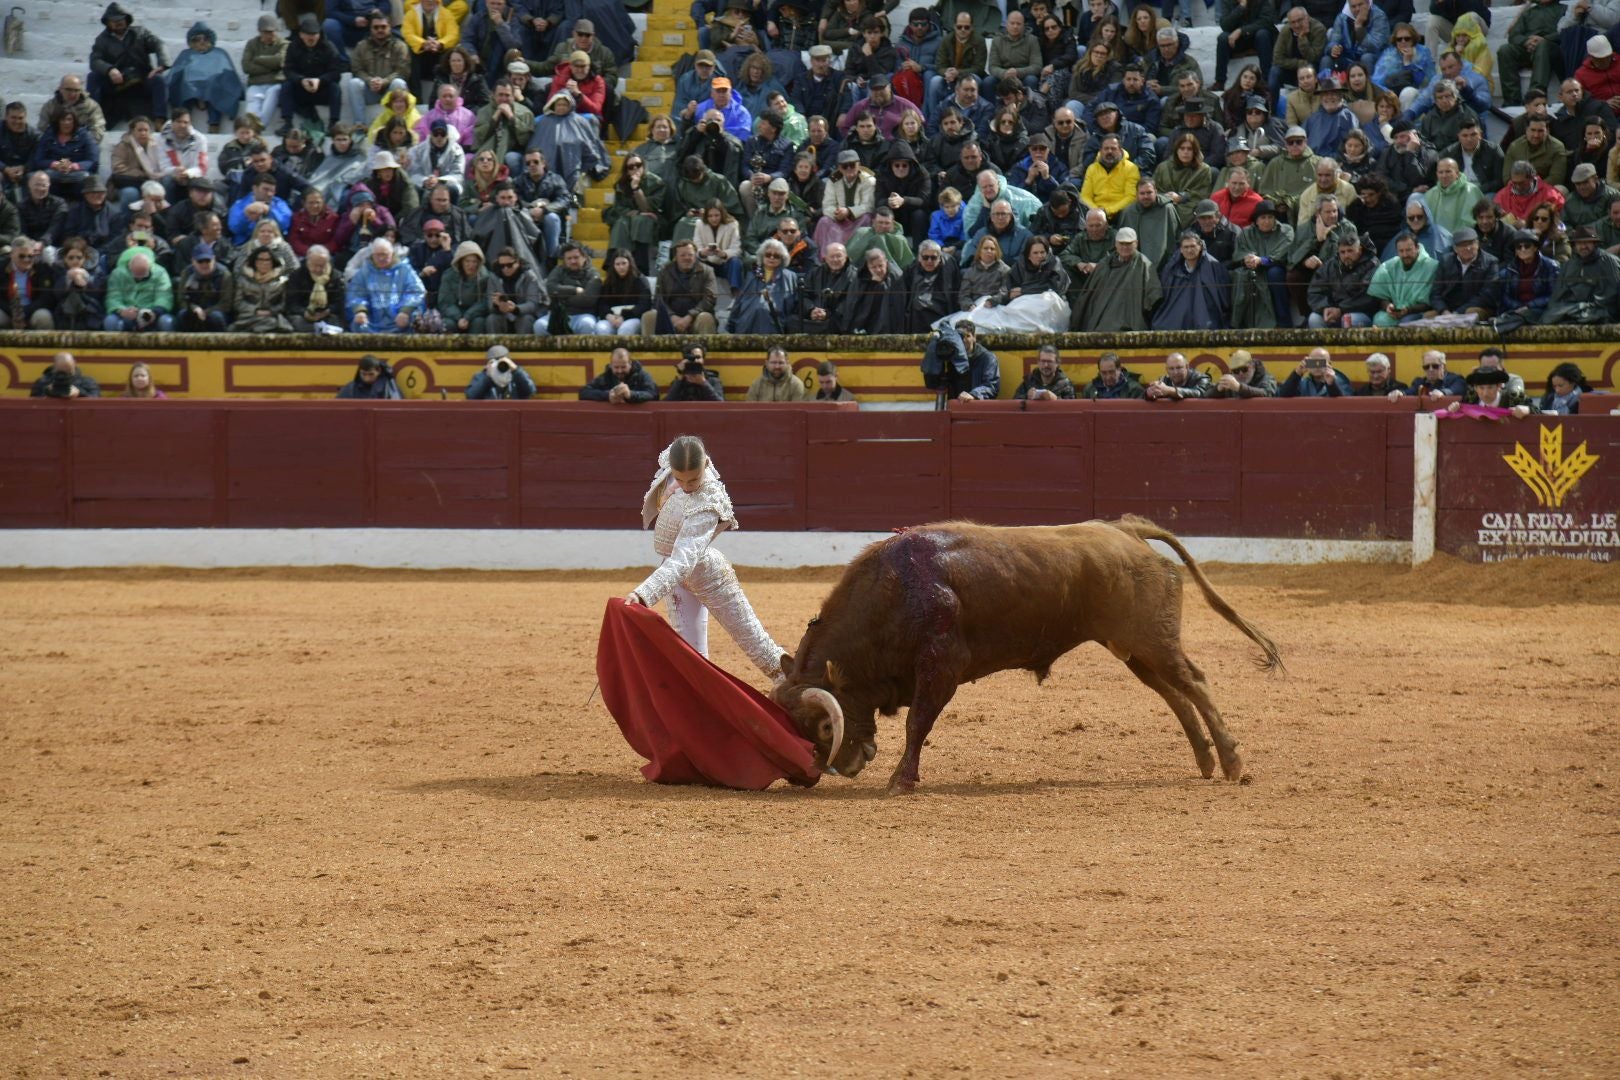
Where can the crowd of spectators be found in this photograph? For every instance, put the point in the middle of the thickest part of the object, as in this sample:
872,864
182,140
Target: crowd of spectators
824,171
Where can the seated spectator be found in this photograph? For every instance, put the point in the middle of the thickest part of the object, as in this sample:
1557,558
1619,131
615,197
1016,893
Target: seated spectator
263,59
719,243
802,254
1289,173
1113,381
91,216
1301,40
1315,377
1434,240
1326,183
877,301
1119,293
1003,147
945,225
502,378
985,276
30,289
518,299
1436,382
963,176
261,202
437,161
1338,294
776,381
504,127
829,388
694,382
765,157
623,297
204,78
1588,288
1001,224
78,304
684,296
375,63
430,257
1179,382
932,285
638,205
313,68
386,293
624,382
207,297
1406,163
1381,379
1218,235
1197,290
1046,380
127,64
17,144
1237,201
316,298
904,188
505,224
544,198
847,204
1466,280
373,380
821,293
137,158
1526,284
1037,271
1152,217
440,207
1111,181
1062,220
297,155
464,293
67,155
1403,284
1245,377
261,296
140,296
63,379
1565,385
882,235
574,285
245,138
1259,268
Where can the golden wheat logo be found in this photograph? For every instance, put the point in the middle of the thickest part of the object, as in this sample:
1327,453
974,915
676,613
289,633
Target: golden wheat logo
1552,475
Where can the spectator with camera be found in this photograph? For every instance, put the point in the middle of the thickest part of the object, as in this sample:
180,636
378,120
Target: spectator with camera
573,286
79,289
63,379
625,382
695,382
1315,377
502,379
140,296
1245,377
373,380
821,294
518,301
1046,380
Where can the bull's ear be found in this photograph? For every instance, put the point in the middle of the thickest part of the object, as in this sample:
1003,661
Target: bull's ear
834,679
787,663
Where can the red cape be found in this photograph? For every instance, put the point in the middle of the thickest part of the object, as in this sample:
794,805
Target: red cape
695,723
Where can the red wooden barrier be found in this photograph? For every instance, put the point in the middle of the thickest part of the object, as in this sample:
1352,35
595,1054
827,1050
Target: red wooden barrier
1339,470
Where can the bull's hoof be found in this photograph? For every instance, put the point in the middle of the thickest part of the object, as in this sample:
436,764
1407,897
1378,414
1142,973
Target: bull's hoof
1206,762
1232,766
902,785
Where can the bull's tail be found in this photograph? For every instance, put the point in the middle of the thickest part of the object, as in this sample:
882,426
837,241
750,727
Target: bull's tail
1145,530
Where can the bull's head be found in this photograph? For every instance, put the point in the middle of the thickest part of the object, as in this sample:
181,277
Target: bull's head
819,712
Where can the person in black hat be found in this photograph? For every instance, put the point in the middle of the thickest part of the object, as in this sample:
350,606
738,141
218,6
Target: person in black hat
1588,289
1466,281
1260,130
694,381
1406,163
1526,284
1488,387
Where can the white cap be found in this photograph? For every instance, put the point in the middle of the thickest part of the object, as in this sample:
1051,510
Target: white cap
1599,47
1126,235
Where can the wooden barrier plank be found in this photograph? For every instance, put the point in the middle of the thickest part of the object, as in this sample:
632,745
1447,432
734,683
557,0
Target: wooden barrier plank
586,466
297,466
33,467
885,476
134,454
450,467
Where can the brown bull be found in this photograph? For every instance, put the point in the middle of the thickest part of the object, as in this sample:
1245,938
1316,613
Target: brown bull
918,615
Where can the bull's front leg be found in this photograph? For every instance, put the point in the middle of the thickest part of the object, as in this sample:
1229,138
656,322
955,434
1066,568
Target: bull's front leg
933,694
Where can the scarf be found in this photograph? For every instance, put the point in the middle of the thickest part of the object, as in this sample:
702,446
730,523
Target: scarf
317,292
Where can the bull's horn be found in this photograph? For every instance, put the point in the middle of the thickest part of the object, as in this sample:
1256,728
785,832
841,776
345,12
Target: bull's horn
830,706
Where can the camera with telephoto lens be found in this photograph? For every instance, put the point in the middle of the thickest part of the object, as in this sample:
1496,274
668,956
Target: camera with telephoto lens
757,163
61,384
712,127
504,366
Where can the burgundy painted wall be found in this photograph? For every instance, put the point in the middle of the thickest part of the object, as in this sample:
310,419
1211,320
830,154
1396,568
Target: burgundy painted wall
1340,470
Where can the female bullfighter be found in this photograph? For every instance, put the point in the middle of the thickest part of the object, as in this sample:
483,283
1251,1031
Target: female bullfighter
687,508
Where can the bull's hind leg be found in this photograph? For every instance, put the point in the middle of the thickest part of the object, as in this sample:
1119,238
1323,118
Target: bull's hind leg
1184,712
1184,675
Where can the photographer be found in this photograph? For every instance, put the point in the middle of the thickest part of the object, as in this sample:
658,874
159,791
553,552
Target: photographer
769,157
821,294
710,142
64,380
695,382
1315,377
373,378
501,378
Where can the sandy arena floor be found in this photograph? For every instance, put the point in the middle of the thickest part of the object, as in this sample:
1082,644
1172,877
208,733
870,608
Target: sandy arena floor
349,824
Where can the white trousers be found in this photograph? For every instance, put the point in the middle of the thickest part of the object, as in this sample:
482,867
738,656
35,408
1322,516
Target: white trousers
713,586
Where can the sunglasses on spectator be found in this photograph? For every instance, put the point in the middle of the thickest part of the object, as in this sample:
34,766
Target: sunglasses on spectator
790,230
506,264
1406,39
25,258
1432,367
771,255
1416,217
928,256
1526,244
1295,141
